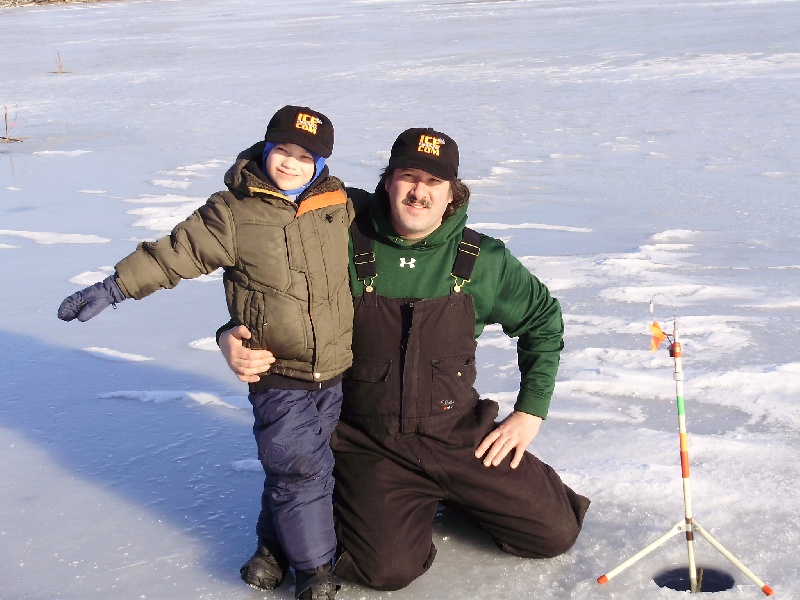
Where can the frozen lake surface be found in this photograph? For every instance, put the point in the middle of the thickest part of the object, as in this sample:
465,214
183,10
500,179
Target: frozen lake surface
623,150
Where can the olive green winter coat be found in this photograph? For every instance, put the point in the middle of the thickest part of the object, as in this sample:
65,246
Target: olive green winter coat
284,262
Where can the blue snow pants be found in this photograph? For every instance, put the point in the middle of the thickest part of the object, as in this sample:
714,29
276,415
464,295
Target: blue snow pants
293,430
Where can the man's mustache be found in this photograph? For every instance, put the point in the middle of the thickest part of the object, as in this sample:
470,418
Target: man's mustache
424,202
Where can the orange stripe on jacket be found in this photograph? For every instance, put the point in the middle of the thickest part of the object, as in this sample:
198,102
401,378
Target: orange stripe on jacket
321,201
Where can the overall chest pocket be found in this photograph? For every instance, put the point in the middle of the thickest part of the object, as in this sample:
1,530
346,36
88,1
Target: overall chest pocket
452,381
367,388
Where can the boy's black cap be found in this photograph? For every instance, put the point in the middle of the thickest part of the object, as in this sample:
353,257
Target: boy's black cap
426,149
302,126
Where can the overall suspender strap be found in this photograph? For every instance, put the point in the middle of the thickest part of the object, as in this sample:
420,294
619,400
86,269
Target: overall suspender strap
468,251
363,256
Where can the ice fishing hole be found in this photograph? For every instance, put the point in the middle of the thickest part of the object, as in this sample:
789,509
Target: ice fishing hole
712,580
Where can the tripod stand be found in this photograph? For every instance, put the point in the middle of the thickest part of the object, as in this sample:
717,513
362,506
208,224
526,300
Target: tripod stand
687,525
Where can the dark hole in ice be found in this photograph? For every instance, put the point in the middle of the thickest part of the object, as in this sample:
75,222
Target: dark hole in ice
711,580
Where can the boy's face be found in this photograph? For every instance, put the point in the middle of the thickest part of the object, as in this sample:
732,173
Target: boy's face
417,200
290,166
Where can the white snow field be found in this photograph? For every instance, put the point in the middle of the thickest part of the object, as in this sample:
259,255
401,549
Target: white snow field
624,150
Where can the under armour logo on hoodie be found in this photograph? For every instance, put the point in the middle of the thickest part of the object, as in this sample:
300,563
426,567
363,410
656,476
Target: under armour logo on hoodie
409,262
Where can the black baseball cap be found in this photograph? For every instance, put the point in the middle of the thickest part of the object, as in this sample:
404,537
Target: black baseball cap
302,126
427,149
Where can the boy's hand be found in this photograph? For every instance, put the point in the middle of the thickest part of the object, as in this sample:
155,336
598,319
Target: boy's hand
246,363
91,301
516,432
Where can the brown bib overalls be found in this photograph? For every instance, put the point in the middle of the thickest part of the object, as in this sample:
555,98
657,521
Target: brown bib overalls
406,439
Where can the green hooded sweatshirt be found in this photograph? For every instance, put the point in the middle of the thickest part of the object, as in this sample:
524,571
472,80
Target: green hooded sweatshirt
503,291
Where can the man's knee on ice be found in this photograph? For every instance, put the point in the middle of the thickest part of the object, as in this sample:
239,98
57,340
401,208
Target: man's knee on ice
387,573
550,548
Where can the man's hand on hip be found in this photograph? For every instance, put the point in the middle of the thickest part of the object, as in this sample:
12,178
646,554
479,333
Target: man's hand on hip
246,363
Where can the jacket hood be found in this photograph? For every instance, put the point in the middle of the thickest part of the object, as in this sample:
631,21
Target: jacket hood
450,228
246,177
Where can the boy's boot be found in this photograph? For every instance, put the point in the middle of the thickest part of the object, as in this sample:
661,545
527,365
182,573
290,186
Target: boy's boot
315,584
265,570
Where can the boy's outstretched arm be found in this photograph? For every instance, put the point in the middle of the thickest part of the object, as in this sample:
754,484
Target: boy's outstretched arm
200,244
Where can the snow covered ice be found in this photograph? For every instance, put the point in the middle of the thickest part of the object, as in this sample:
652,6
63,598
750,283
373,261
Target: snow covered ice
622,149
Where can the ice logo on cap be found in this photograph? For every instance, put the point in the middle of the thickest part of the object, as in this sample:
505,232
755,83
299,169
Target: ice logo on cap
307,123
429,144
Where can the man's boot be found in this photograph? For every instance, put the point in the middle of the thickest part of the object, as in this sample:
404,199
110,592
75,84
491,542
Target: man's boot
265,570
315,584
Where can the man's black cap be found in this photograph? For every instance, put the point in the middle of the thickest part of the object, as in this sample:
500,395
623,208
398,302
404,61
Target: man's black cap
426,149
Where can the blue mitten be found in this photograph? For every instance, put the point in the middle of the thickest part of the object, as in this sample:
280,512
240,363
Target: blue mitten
90,301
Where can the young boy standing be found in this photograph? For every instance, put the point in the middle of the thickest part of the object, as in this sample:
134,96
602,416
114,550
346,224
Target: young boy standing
280,233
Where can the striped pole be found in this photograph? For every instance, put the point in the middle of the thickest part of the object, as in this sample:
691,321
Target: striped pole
688,525
675,353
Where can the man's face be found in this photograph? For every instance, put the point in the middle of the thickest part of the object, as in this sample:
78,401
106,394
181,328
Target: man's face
417,200
290,166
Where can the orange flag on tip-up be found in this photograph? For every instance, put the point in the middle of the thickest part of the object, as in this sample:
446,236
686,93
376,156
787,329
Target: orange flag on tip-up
658,336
